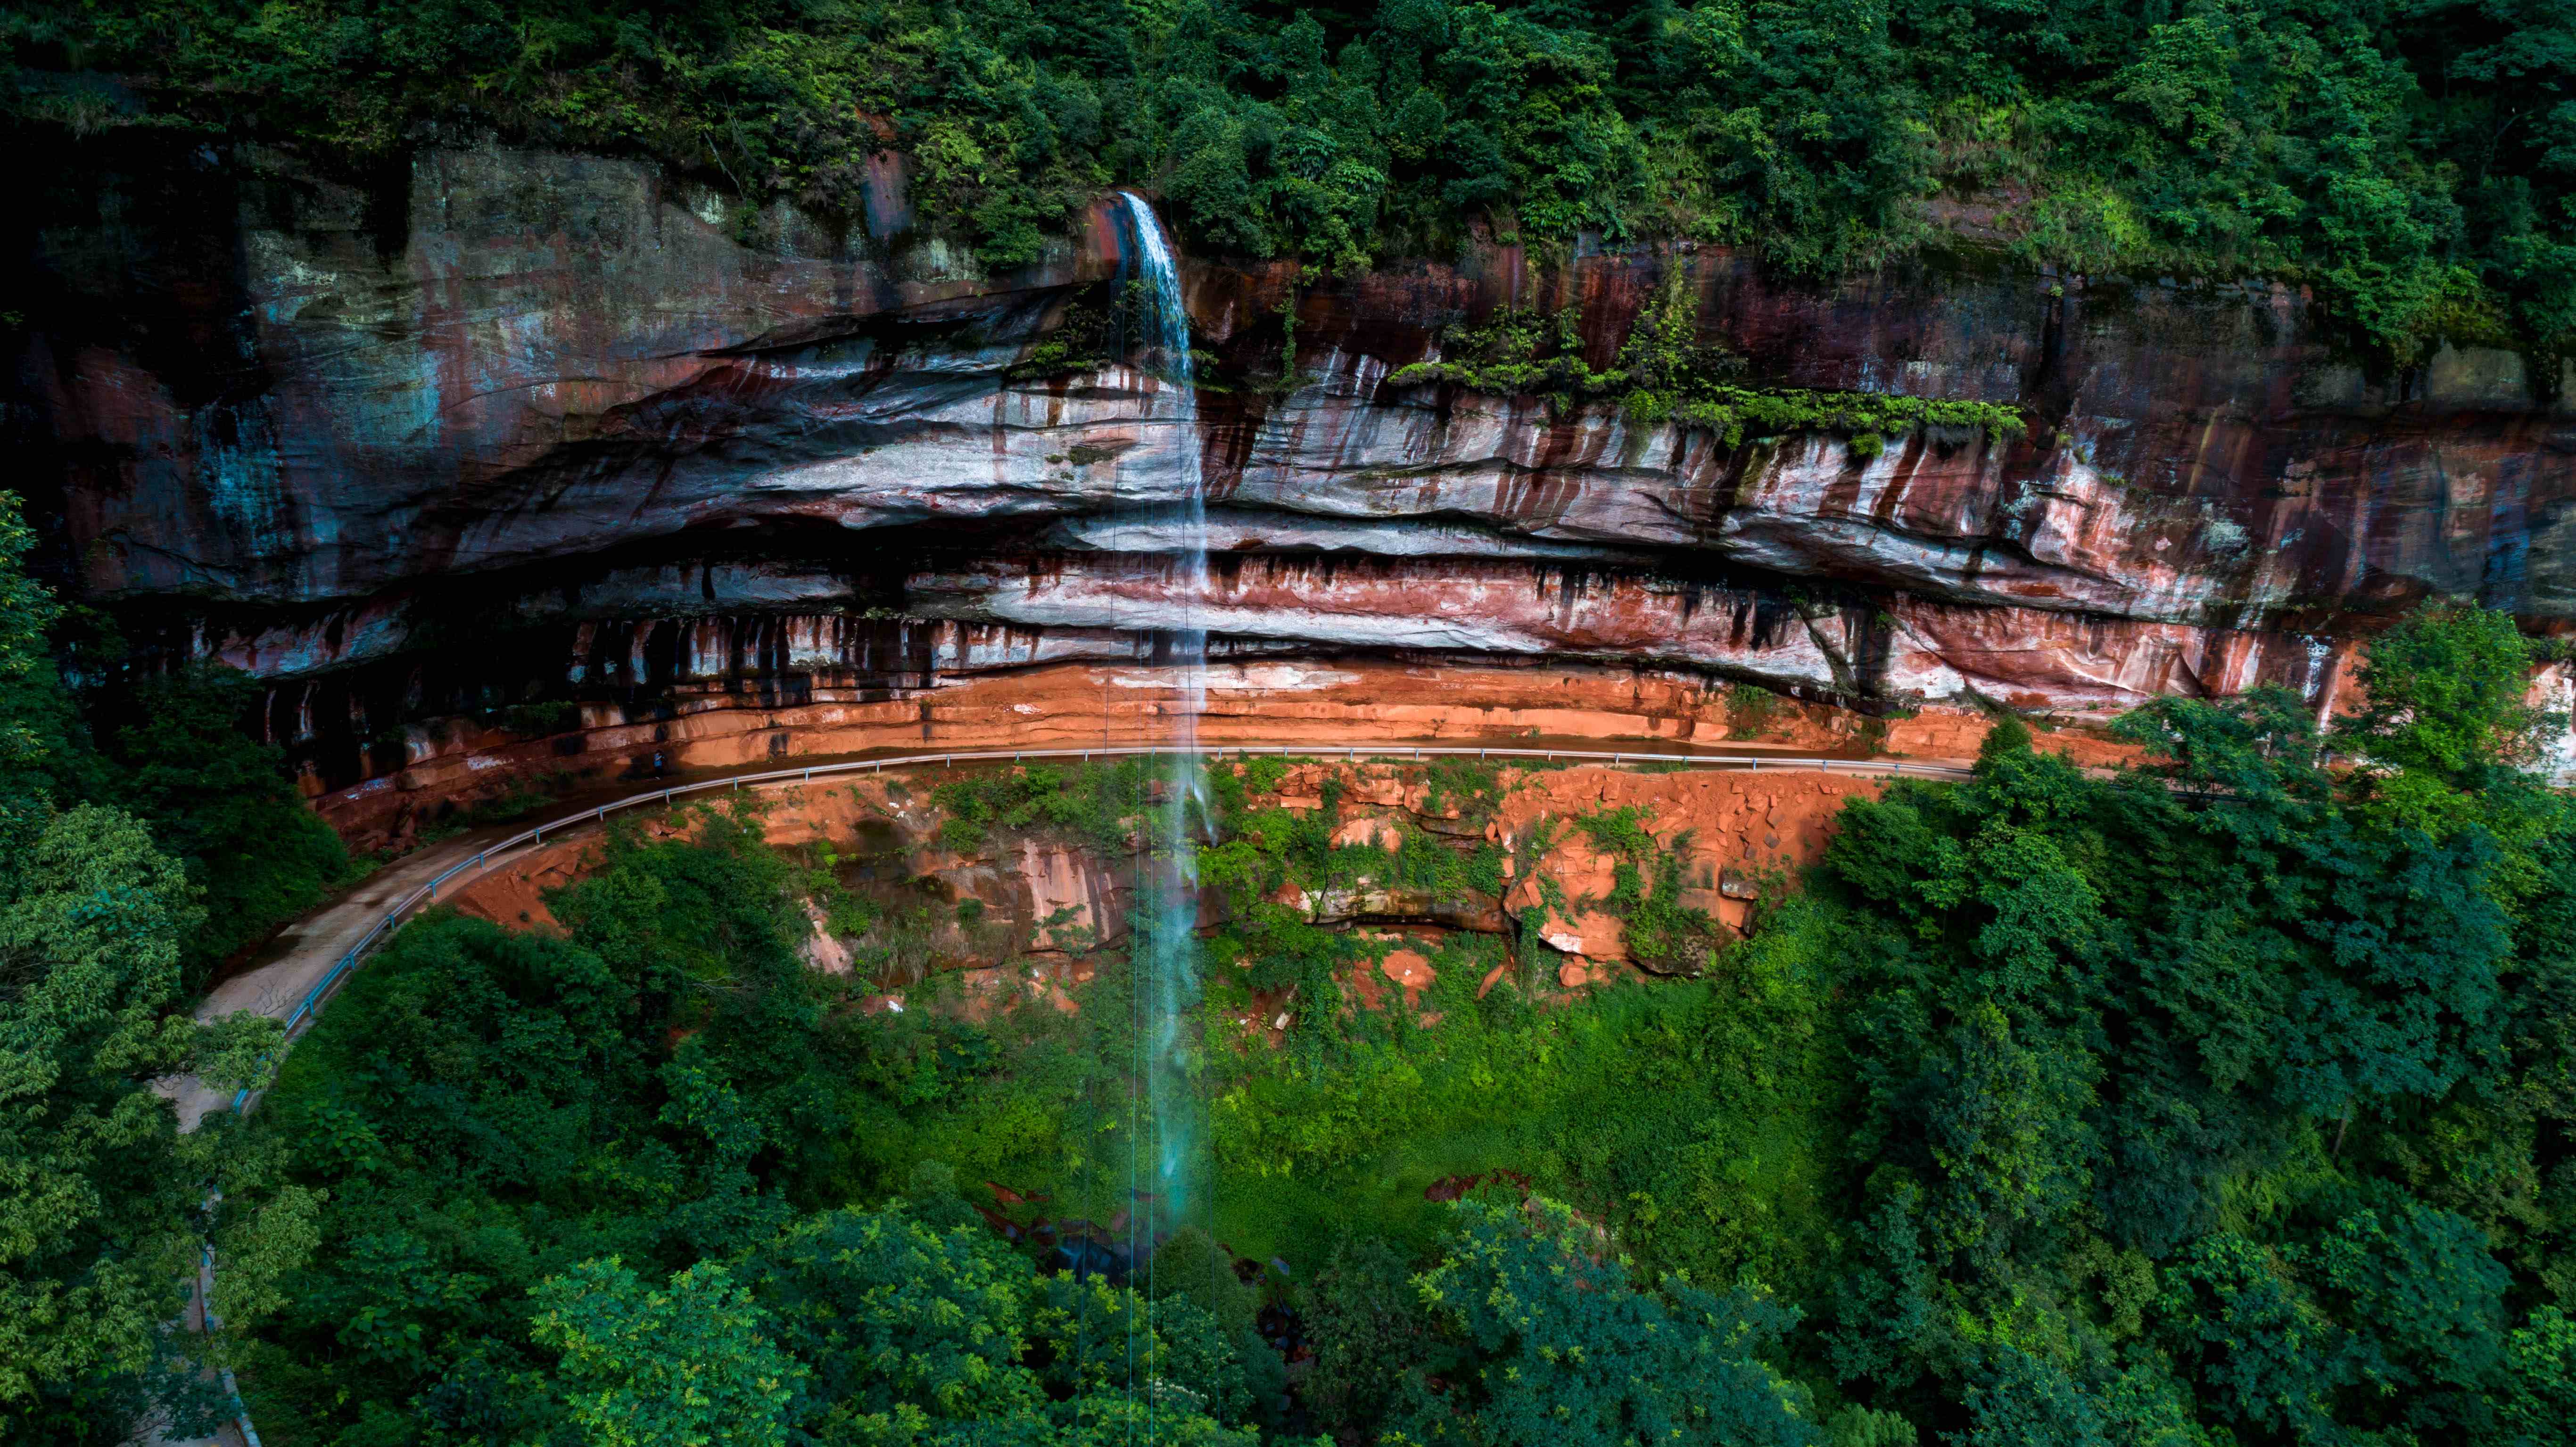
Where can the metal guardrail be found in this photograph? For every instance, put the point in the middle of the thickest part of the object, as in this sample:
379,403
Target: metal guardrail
323,988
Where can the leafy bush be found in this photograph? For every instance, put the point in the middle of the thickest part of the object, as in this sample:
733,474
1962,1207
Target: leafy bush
1557,1341
1662,378
221,801
1095,803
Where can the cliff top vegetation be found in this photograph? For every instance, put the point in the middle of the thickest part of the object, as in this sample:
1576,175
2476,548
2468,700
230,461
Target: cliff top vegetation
2414,160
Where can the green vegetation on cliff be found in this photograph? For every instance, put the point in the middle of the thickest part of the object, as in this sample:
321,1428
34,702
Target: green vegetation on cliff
1662,375
2413,159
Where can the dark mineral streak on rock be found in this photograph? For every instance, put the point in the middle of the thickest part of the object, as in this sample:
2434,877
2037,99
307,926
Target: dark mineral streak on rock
525,426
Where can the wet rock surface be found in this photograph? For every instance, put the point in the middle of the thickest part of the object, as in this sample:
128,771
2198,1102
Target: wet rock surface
521,426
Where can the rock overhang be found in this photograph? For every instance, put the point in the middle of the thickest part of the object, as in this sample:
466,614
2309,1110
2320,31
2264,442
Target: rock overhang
571,408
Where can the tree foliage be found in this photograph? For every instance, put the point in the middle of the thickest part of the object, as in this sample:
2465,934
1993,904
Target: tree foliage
96,1195
684,1365
220,800
2171,1078
2414,159
100,1197
1557,1342
37,723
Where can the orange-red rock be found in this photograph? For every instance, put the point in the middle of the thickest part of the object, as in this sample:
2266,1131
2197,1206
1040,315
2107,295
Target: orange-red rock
1409,969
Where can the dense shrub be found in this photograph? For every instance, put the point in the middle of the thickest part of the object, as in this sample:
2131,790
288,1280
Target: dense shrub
221,801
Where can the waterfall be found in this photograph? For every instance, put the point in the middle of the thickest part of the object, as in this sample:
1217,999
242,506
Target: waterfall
1167,990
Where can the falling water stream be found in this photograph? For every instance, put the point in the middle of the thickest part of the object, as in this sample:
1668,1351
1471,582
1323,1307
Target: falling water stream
1168,989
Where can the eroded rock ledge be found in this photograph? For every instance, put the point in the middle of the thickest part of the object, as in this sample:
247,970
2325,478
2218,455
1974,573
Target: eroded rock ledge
1026,910
544,433
1289,702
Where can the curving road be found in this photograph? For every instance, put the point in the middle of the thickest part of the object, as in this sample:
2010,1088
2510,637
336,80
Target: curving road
298,971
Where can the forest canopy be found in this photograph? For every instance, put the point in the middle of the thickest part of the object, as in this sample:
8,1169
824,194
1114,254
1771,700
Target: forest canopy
2219,1101
2224,1100
2413,160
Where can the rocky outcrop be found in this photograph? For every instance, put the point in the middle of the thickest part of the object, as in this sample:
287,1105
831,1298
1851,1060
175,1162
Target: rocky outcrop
1025,910
516,428
1076,706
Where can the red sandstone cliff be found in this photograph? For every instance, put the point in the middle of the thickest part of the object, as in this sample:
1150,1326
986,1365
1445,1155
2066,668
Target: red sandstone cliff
559,428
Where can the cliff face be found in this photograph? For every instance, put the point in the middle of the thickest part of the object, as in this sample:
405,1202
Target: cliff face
1045,901
519,425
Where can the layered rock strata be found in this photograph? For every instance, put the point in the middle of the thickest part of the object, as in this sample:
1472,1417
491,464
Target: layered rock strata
1277,704
518,429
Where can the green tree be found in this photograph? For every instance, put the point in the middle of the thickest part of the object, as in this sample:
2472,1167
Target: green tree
2252,1337
1370,1334
683,1365
2446,693
221,801
1202,1307
891,1315
2209,1098
97,1194
2390,1322
37,722
2538,1405
913,1334
1099,1342
1560,1346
